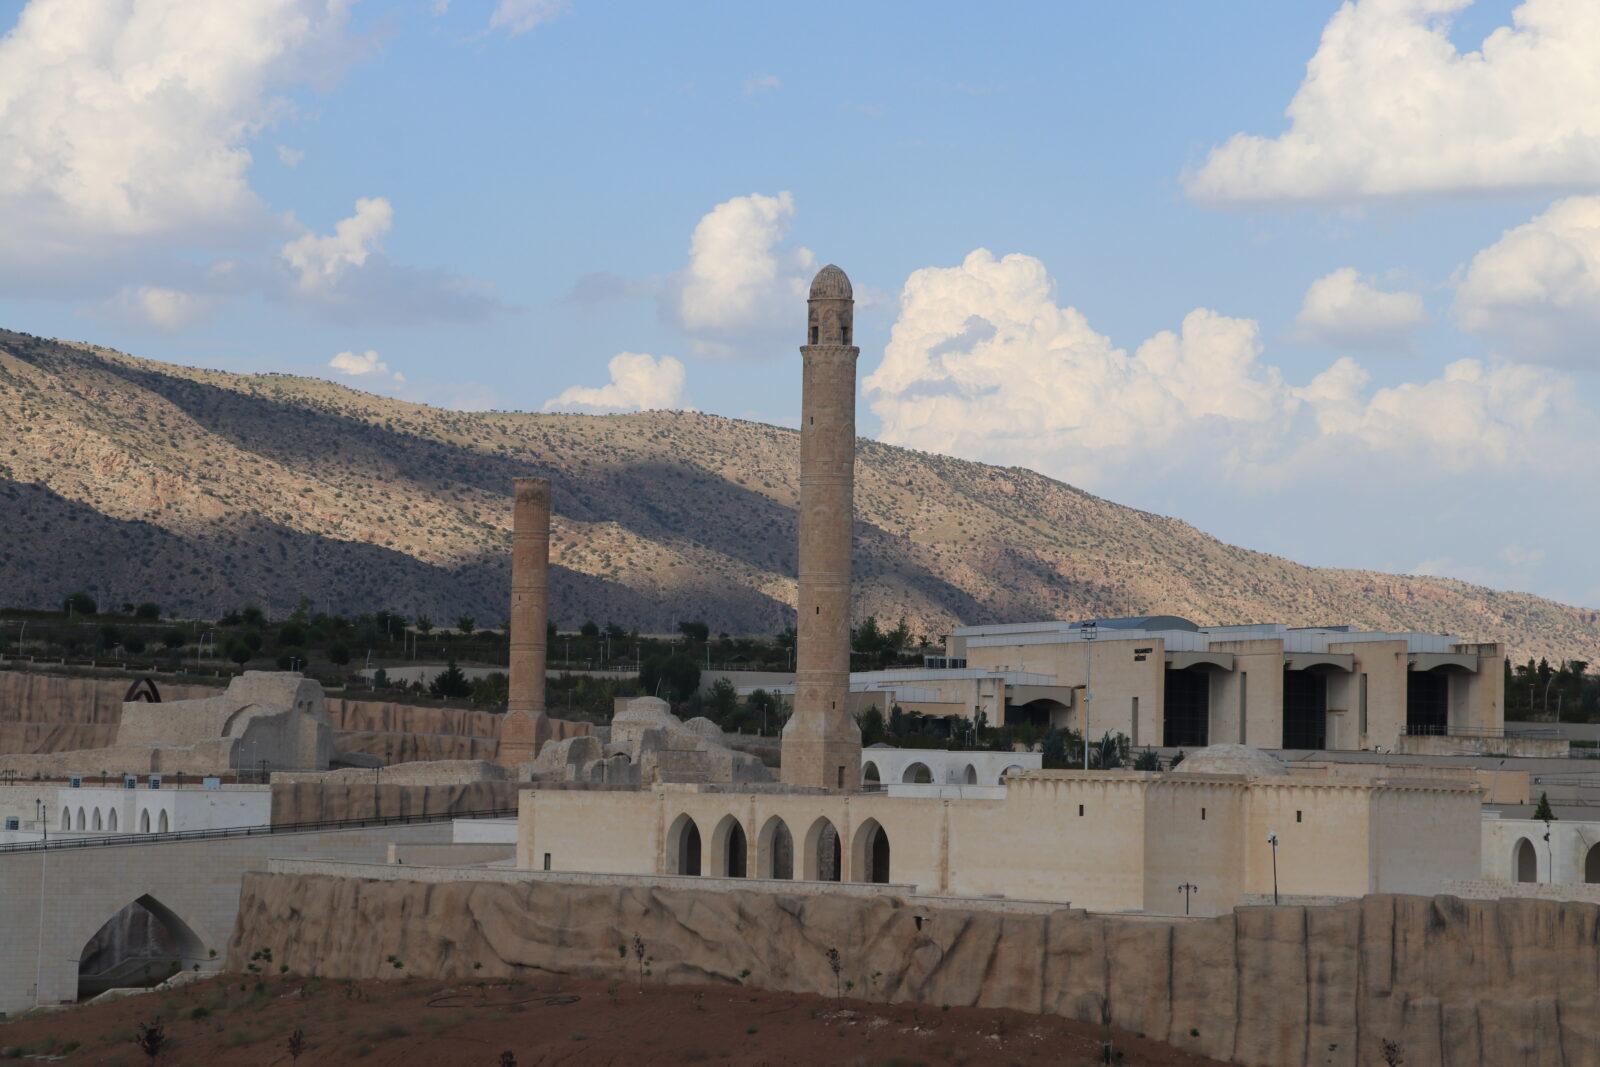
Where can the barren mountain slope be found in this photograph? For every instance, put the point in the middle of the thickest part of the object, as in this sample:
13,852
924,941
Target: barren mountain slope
204,490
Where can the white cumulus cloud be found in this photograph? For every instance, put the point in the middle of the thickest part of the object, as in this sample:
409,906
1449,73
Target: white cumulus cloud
1390,107
741,281
320,262
1537,289
520,16
159,306
366,363
760,83
290,157
1347,310
984,363
125,123
639,382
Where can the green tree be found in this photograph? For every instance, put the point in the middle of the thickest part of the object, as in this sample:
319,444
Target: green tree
238,652
1147,760
450,682
252,616
79,603
174,638
761,708
338,654
695,631
615,632
466,624
1054,748
1543,810
673,678
722,702
292,658
590,629
872,725
147,610
291,633
897,721
133,644
424,625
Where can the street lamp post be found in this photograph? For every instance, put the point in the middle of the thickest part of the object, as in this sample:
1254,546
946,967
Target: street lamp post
1186,889
1272,839
1090,631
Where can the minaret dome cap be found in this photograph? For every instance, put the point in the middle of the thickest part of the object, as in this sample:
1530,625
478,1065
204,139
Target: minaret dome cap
831,284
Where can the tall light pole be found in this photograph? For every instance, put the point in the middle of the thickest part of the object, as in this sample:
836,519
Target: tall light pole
1186,889
1090,631
1272,839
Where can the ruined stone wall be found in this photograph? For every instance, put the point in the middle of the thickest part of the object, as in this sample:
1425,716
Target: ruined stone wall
1457,983
299,802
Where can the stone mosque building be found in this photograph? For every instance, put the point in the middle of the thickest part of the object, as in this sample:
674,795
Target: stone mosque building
1230,823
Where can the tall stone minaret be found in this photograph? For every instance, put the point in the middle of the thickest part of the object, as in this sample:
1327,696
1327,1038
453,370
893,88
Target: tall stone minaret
821,743
525,725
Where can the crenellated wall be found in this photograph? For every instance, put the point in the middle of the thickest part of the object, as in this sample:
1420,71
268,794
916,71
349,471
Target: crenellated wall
1456,983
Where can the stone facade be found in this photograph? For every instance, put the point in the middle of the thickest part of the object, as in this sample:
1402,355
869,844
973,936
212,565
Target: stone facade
821,743
1114,840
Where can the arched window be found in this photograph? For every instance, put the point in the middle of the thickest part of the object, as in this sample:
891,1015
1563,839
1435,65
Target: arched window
971,775
728,849
1591,865
869,854
111,822
918,774
775,850
869,773
1525,861
683,846
144,821
83,820
822,854
97,824
163,826
66,818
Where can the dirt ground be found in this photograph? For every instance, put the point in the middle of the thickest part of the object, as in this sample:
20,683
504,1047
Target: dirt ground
239,1019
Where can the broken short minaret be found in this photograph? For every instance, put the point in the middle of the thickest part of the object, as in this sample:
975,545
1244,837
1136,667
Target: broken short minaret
821,743
525,725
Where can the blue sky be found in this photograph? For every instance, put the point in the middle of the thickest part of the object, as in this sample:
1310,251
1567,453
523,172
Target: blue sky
1321,279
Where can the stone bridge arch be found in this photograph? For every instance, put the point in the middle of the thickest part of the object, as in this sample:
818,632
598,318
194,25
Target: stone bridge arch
142,942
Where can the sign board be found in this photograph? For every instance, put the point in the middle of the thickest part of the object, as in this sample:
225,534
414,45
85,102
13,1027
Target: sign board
211,783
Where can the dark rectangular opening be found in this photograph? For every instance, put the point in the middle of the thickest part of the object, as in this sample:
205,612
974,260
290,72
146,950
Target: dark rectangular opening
1186,718
1305,709
1427,703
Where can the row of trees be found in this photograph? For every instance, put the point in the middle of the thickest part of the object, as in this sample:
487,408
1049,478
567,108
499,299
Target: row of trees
1566,692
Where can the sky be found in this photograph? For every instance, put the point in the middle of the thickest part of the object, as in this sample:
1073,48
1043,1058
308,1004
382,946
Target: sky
1321,279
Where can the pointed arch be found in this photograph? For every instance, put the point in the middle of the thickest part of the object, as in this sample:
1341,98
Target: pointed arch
98,825
729,849
163,825
1591,865
917,774
141,943
1524,861
683,846
869,853
66,817
775,850
144,821
111,822
970,775
83,820
821,858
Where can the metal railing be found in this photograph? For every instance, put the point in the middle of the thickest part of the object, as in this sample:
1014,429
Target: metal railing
1428,729
253,831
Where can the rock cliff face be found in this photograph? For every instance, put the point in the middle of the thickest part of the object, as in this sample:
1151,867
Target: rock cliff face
327,801
1456,983
45,713
55,713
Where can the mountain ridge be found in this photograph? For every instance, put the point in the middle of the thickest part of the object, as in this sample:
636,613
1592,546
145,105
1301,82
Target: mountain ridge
204,490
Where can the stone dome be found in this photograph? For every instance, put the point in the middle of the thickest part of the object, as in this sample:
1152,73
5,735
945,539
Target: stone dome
831,284
1232,759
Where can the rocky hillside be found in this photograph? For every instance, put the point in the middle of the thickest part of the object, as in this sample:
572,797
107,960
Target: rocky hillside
203,490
